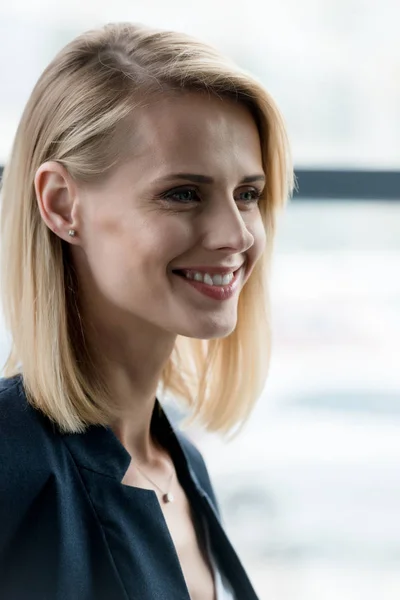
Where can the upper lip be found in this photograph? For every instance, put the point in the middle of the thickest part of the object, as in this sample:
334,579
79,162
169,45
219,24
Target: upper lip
220,269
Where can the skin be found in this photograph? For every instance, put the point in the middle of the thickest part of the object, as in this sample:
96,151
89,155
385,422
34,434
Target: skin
128,240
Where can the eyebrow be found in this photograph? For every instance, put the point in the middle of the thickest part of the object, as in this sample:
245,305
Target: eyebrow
195,178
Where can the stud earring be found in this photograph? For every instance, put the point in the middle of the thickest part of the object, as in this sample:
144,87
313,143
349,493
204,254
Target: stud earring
72,232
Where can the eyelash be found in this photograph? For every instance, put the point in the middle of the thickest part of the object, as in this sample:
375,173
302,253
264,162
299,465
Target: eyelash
170,195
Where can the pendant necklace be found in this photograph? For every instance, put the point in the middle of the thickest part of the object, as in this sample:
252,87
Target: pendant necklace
166,496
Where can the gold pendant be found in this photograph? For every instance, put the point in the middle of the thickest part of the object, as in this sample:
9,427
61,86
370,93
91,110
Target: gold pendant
168,498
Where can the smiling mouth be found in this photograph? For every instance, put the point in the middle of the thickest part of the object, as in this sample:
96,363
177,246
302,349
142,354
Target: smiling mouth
208,278
217,288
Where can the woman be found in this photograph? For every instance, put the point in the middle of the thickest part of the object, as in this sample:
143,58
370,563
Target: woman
138,216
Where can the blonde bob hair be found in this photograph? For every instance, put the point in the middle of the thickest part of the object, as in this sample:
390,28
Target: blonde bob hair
77,116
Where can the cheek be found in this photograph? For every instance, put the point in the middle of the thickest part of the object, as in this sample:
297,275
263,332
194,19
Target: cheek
109,248
137,245
159,241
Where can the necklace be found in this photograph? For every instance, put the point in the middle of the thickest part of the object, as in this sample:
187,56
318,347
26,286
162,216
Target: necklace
166,496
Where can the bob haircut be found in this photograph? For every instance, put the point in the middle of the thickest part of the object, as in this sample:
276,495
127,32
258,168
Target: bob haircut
77,115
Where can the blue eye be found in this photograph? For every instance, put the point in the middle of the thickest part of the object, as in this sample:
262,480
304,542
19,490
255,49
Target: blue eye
190,195
250,196
184,195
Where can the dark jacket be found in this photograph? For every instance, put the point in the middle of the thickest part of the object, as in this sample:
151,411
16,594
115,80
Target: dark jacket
70,530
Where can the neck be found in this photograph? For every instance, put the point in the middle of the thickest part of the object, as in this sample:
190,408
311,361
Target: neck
132,366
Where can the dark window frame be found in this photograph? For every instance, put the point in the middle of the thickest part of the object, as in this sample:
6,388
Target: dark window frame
341,184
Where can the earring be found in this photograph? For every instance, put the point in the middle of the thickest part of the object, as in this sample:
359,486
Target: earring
72,232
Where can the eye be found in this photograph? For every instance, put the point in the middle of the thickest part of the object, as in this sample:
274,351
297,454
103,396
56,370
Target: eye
183,195
249,196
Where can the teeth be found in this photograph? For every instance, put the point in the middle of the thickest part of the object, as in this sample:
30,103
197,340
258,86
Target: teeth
227,278
210,279
216,279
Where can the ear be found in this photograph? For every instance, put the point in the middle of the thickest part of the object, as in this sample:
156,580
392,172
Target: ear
56,196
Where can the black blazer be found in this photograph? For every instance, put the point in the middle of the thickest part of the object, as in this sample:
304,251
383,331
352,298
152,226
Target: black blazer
70,530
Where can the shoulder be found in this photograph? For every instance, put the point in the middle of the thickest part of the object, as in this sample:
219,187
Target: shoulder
30,457
20,423
9,386
26,435
26,445
14,413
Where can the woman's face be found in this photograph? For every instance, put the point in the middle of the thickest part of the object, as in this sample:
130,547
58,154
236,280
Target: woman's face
186,199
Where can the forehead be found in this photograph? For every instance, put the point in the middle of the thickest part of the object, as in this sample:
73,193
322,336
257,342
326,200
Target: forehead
196,131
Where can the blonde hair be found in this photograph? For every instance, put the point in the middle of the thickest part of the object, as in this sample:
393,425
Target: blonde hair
75,116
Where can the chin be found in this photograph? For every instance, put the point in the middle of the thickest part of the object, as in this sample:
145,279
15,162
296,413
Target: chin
209,331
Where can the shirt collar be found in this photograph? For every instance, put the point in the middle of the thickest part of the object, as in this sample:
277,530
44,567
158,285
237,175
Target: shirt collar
99,449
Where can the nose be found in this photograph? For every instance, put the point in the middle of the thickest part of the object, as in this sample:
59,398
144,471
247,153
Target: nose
225,228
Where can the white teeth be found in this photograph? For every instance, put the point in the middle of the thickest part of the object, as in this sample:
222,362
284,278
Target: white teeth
217,279
227,278
211,279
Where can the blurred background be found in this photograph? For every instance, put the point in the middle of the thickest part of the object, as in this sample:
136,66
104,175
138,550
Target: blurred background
310,491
